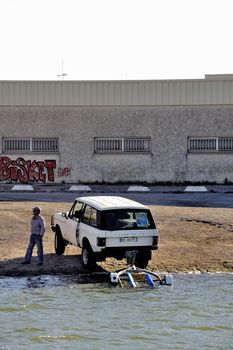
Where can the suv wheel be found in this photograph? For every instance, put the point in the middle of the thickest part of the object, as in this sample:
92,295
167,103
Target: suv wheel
142,259
88,259
59,242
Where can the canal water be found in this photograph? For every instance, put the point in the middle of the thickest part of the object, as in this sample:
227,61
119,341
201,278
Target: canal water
57,312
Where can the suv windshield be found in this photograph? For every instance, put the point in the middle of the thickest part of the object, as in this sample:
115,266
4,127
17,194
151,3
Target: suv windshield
128,219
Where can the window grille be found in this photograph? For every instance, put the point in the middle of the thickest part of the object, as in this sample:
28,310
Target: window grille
210,144
108,145
225,144
30,145
44,145
122,145
137,145
16,145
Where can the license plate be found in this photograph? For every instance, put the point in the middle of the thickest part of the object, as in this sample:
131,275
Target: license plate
128,239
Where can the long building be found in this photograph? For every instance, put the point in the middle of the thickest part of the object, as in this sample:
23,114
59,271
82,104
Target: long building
158,131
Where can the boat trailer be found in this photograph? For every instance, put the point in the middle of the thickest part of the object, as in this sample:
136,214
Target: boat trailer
136,277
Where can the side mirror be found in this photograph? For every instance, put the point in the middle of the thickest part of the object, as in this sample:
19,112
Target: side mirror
65,215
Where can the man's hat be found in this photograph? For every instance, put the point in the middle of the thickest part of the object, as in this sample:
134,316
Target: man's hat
36,209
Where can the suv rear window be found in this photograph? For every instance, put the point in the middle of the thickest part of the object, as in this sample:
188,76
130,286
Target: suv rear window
127,219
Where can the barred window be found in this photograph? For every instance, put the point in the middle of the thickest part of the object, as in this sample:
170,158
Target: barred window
122,145
210,144
225,143
30,144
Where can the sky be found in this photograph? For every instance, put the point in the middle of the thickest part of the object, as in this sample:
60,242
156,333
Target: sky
115,39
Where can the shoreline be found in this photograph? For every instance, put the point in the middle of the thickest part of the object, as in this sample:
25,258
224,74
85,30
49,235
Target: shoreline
71,265
13,268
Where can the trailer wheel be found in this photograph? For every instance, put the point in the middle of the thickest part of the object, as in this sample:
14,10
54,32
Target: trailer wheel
59,242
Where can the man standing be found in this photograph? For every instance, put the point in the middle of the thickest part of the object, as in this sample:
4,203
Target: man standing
36,238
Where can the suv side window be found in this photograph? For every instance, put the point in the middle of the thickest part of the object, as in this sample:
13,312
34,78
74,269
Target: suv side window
76,211
93,217
90,216
86,215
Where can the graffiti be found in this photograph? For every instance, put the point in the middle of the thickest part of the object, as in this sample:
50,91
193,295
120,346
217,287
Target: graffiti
25,171
64,171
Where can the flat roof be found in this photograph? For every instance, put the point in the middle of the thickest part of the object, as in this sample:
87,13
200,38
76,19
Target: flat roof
111,202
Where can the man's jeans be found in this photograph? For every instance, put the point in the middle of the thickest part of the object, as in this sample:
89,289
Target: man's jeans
35,240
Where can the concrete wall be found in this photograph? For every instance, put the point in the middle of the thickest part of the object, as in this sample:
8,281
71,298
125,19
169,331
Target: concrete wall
168,127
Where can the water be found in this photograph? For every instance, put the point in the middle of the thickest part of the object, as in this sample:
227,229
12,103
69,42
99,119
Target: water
60,313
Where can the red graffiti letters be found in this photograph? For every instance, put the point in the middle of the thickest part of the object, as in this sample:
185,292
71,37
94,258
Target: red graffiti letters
25,171
64,171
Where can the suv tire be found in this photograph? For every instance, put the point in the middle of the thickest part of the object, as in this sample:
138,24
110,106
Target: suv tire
88,259
142,259
59,242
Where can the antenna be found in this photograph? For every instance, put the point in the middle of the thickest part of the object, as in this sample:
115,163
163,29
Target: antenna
62,75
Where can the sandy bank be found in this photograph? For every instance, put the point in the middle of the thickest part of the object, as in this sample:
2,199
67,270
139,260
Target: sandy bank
191,239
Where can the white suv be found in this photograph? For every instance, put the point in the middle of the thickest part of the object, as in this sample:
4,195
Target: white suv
107,226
